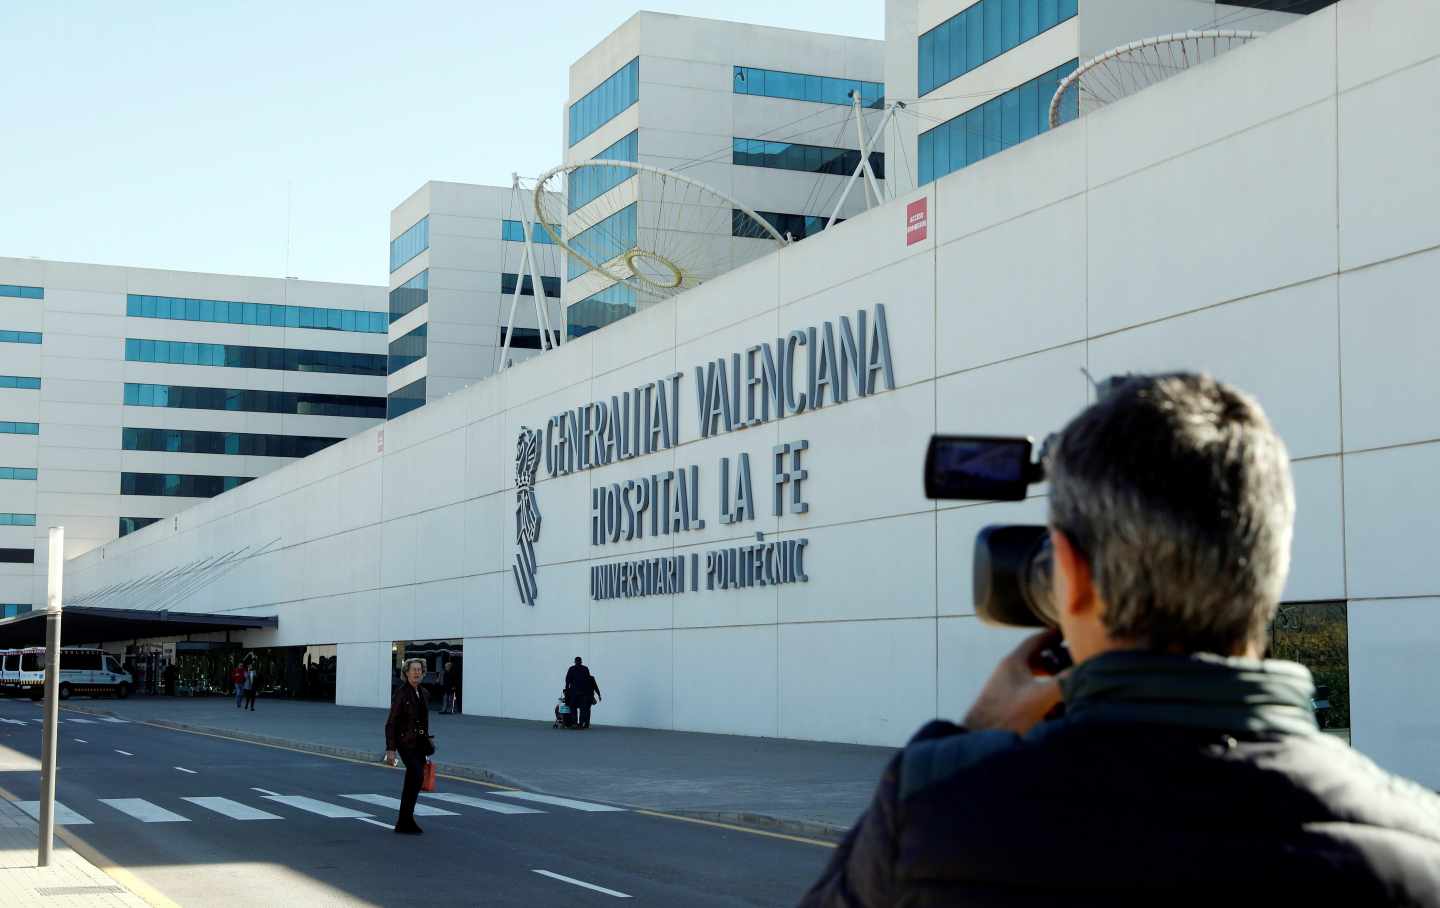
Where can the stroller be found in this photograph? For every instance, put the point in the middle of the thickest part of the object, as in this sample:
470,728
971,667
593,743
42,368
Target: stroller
564,713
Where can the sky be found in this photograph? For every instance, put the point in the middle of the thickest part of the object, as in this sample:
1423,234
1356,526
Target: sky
273,138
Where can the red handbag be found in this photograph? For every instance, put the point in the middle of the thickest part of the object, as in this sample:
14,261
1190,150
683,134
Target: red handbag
428,784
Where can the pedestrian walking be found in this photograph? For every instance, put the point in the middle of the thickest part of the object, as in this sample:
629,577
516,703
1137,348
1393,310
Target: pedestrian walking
237,678
407,735
252,681
451,680
589,696
169,676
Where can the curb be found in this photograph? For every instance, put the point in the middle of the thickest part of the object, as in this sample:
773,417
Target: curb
758,821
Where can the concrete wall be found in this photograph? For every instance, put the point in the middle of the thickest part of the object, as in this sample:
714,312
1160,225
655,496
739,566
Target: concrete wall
1285,241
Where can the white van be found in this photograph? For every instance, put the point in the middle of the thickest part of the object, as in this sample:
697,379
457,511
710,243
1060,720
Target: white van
82,671
9,671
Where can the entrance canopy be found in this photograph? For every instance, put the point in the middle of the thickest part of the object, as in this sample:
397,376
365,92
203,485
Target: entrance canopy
82,625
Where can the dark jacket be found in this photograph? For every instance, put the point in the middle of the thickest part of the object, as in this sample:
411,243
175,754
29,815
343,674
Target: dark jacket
409,719
577,686
1170,780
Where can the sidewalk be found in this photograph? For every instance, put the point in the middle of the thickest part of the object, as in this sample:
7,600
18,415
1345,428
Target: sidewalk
801,787
69,882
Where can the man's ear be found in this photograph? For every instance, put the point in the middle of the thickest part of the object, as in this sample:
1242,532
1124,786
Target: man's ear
1074,586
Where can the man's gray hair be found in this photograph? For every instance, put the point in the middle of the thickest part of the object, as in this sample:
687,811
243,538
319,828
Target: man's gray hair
1177,491
410,662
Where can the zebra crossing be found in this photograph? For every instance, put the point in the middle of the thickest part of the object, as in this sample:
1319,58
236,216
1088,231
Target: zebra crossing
291,806
68,720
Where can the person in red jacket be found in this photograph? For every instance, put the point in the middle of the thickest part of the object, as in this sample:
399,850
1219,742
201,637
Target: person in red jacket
237,677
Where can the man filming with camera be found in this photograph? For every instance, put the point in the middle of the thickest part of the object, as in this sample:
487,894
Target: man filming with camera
1171,764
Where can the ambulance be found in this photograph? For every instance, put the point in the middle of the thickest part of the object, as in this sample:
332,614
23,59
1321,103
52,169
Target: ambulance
82,671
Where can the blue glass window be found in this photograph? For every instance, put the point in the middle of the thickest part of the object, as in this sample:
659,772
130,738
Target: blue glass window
410,296
415,240
18,473
551,285
129,525
22,382
179,485
605,100
185,441
20,337
589,183
514,231
303,403
769,83
270,315
16,520
527,339
603,241
982,32
804,158
600,309
237,356
408,349
19,428
796,226
24,293
410,397
14,610
1004,121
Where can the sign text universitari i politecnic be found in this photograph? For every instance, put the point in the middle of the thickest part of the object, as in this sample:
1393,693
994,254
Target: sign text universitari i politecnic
806,370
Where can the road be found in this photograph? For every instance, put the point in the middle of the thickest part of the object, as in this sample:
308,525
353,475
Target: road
205,820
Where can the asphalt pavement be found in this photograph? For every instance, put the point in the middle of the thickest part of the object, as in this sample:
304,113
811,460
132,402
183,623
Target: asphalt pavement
208,820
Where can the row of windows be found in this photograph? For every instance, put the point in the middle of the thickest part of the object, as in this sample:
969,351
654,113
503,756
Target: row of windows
603,241
589,183
408,348
771,83
19,473
23,382
795,226
551,285
239,356
804,158
19,428
528,338
403,400
411,243
303,403
600,309
605,100
179,485
20,337
410,296
1019,114
186,441
129,525
983,32
24,293
16,520
514,231
17,556
272,315
13,610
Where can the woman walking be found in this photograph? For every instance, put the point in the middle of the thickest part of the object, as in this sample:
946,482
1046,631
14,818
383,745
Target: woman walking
407,733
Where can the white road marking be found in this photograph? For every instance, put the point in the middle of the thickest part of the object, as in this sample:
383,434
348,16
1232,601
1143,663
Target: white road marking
495,806
81,741
300,802
81,721
421,810
374,822
124,752
558,802
63,815
574,882
13,721
143,810
233,809
191,771
265,791
112,719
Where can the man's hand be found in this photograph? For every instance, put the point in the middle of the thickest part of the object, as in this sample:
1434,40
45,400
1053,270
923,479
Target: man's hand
1017,695
389,758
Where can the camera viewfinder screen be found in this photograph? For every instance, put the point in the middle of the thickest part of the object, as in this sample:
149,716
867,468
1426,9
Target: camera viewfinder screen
977,469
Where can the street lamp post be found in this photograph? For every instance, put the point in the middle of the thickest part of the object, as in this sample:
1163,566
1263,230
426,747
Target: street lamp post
52,693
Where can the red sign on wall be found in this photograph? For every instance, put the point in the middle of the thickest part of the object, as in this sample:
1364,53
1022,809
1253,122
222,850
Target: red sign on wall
917,221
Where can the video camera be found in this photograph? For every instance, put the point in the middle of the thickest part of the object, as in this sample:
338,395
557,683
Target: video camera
1013,563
